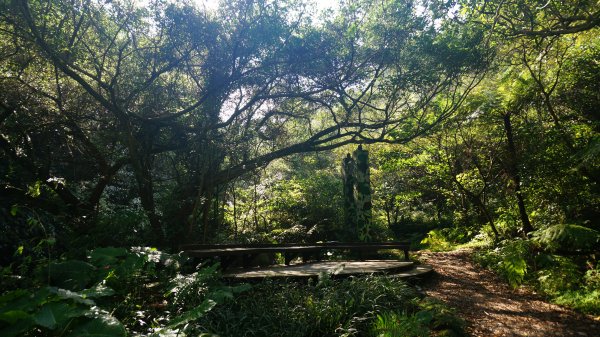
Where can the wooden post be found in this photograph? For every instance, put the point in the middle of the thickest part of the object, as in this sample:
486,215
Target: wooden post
348,168
362,189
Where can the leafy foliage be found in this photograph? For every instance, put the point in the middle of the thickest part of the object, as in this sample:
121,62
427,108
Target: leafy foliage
509,259
568,238
330,307
432,318
557,274
104,297
130,123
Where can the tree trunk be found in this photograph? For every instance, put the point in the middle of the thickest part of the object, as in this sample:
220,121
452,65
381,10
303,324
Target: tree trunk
513,171
480,204
143,176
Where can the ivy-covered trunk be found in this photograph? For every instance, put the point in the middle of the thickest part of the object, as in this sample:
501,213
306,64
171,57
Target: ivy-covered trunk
514,174
357,194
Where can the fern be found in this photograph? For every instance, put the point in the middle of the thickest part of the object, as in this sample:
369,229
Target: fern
515,268
391,324
509,260
567,237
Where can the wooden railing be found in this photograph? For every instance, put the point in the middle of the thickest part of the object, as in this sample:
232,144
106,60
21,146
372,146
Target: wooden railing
227,253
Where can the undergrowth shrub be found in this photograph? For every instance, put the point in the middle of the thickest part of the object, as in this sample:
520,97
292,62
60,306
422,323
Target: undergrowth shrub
330,307
446,238
509,259
592,278
436,240
115,292
567,237
432,317
581,300
538,262
557,274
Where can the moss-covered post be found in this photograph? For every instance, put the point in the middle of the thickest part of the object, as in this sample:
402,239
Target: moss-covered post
362,189
348,169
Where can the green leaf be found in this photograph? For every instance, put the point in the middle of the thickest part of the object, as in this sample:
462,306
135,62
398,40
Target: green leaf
12,296
17,328
101,257
568,237
98,291
23,300
515,268
424,317
241,288
73,275
71,295
220,295
193,314
14,210
12,316
35,189
57,314
102,326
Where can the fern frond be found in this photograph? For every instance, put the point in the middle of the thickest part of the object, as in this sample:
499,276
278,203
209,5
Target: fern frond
568,237
515,268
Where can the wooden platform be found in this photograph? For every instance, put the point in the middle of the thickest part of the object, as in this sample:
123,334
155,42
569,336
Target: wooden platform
340,268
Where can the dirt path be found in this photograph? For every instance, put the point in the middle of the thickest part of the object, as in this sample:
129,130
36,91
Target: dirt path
491,308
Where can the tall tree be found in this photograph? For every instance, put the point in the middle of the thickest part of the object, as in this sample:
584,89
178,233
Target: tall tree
169,92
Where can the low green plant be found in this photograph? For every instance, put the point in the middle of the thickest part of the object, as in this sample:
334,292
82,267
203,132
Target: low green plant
432,317
114,292
583,293
537,262
592,278
449,238
581,300
509,259
392,324
567,237
436,240
51,311
330,307
557,274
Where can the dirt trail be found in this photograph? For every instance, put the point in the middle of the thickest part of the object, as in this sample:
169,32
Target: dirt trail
491,308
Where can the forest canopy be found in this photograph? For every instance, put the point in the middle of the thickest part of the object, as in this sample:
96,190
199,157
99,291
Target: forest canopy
114,104
129,128
166,122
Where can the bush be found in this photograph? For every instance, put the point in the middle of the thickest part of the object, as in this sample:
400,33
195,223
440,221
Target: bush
567,237
433,315
509,259
330,307
559,277
559,274
581,300
592,279
113,292
445,239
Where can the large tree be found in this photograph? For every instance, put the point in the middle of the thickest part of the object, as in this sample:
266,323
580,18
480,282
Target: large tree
170,93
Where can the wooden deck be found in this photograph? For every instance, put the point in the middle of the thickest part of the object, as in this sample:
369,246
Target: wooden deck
338,268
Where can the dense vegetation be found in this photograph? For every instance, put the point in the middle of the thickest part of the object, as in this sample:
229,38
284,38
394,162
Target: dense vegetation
153,124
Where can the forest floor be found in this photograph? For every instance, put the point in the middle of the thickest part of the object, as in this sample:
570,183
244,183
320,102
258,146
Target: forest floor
491,307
